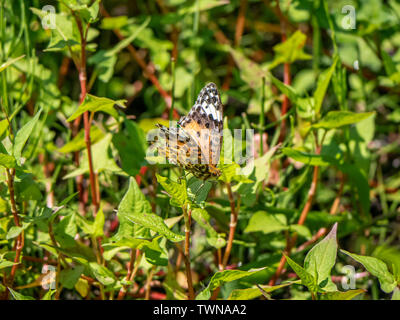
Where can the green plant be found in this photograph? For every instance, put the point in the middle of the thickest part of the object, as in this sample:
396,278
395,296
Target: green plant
80,197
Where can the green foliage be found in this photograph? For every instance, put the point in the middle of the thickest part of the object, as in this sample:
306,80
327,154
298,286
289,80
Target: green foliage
95,104
79,100
222,277
377,268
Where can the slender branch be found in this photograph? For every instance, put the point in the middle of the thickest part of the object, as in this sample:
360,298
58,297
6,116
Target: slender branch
86,120
191,294
19,244
232,226
232,229
148,283
187,214
321,232
123,290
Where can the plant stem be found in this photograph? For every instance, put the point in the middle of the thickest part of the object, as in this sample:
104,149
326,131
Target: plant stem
171,110
148,283
133,267
232,229
321,232
187,214
232,226
86,120
262,115
19,245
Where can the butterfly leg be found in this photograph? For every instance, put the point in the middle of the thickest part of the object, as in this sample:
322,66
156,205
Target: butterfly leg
183,177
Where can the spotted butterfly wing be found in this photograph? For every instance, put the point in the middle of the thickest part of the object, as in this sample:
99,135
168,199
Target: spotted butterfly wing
198,136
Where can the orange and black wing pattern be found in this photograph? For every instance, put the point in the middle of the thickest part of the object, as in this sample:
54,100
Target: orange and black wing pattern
195,144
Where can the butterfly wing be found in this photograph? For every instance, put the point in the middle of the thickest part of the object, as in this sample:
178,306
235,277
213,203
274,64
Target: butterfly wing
204,123
177,146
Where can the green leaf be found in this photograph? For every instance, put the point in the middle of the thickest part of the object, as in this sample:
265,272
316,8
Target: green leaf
7,161
78,142
66,230
287,90
252,293
101,273
23,134
264,222
110,23
102,159
4,128
202,217
290,50
338,295
201,5
320,260
95,104
98,224
396,294
388,63
6,264
133,202
222,277
17,296
27,188
306,278
132,154
157,224
65,34
306,158
16,231
322,86
232,171
68,199
10,62
83,287
69,277
250,72
377,268
49,295
336,119
176,190
156,253
139,212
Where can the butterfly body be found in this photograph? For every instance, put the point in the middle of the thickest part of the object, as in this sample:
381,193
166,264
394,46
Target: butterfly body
195,144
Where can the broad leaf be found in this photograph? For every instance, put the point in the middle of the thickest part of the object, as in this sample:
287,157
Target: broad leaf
322,86
321,259
23,135
176,190
264,222
95,104
336,119
101,273
338,295
222,277
377,268
17,296
306,278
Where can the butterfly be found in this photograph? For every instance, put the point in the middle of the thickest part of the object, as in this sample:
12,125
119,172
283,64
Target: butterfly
195,143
